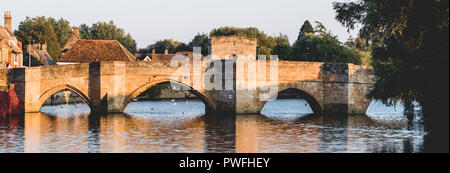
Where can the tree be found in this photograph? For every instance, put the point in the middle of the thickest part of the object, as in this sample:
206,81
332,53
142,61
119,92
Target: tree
363,47
108,31
39,30
410,43
85,31
62,29
200,40
322,47
170,44
282,47
306,28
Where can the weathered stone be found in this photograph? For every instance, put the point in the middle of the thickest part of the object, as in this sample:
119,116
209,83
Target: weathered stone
110,86
246,84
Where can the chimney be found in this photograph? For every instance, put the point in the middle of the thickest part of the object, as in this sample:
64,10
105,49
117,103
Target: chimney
8,20
44,47
166,51
76,31
153,51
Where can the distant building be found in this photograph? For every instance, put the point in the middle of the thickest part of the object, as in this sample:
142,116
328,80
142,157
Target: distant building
10,48
72,40
77,50
87,51
147,58
40,55
167,57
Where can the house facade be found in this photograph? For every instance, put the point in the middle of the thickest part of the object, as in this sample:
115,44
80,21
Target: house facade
10,48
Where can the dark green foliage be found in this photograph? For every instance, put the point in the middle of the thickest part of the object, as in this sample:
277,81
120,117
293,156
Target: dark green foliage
200,40
282,47
56,33
306,28
107,31
170,44
363,47
322,47
267,45
41,30
62,30
85,31
410,40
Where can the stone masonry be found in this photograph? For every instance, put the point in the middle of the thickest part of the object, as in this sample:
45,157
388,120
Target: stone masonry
110,86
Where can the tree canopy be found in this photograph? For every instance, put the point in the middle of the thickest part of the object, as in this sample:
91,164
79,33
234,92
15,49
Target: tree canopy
43,29
171,45
200,40
56,33
267,45
107,31
62,29
320,45
410,43
306,28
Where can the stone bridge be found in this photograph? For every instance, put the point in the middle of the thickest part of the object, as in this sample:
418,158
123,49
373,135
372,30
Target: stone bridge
110,86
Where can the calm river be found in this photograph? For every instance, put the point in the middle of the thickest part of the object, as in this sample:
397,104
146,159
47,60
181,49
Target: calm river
181,126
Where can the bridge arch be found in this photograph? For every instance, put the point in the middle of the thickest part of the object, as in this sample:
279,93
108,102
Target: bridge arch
298,93
128,99
56,89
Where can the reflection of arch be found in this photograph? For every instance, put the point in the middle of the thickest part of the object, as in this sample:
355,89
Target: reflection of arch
54,90
297,93
145,87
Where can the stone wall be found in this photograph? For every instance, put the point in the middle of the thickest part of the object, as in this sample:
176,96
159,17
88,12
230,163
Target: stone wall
335,88
3,79
110,86
227,46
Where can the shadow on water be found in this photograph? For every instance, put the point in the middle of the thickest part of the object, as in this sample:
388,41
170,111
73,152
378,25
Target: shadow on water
94,133
175,132
220,132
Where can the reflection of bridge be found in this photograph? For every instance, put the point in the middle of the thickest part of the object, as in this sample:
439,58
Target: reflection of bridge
110,86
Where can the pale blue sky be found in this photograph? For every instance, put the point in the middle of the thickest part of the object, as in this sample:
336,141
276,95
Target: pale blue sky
149,21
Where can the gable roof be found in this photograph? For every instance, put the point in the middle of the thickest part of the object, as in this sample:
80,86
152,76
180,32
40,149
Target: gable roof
72,40
86,51
168,57
147,59
42,56
10,39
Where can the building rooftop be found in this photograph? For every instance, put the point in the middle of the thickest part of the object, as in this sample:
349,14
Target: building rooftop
86,51
168,57
9,39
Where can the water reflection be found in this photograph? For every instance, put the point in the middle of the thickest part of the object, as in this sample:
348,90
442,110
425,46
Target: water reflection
11,134
287,109
140,131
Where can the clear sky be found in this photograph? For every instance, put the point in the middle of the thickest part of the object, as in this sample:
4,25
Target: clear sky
149,21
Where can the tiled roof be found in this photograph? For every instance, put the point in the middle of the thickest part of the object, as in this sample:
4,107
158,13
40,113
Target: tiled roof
86,51
10,39
42,56
72,40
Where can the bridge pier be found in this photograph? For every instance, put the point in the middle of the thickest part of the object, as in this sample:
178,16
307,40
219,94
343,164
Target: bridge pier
329,88
108,86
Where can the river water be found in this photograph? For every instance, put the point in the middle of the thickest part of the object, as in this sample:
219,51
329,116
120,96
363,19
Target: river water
181,126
